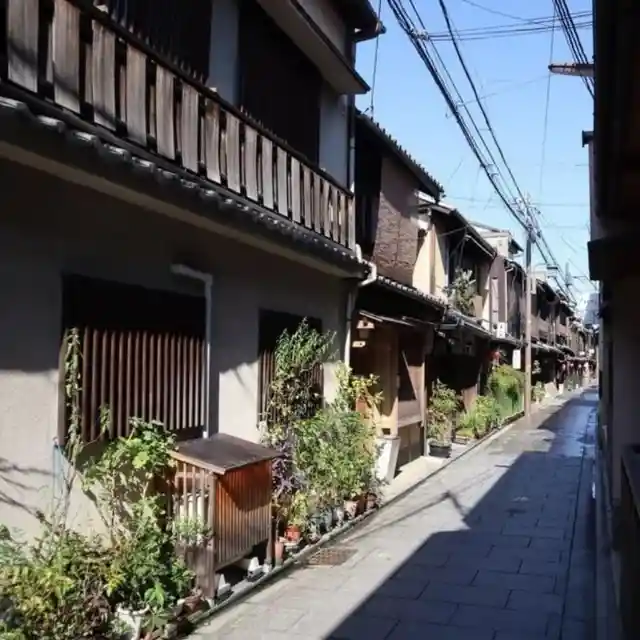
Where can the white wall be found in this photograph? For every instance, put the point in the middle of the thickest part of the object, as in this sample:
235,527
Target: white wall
95,235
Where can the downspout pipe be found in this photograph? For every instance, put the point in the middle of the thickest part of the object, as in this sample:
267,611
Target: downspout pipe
351,301
207,281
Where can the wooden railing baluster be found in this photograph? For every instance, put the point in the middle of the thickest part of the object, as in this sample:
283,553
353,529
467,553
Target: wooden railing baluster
103,72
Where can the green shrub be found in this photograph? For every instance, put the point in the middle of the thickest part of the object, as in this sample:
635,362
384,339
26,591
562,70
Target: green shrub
441,412
506,385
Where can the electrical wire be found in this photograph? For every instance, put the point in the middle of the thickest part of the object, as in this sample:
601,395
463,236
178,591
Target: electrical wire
547,101
519,208
509,31
375,63
573,39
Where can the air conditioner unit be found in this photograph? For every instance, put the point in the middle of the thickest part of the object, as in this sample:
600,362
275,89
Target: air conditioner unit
501,331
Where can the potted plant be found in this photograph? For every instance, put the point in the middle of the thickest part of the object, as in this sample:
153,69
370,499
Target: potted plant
297,517
440,414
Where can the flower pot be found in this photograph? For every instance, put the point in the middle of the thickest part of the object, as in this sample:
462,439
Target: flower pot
439,450
371,501
292,533
362,504
131,620
350,509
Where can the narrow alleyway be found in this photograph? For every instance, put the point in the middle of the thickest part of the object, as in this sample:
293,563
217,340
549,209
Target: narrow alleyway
499,546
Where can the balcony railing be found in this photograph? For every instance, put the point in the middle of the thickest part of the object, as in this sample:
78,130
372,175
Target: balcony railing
74,54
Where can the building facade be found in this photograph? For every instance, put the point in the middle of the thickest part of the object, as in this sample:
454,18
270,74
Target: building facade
176,191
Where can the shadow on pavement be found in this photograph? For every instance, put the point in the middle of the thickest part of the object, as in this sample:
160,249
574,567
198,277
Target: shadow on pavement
518,560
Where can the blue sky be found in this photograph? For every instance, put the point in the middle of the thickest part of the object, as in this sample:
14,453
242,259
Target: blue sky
512,73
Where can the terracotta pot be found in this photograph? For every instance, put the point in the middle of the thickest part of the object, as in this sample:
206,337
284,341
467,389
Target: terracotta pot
293,533
278,551
362,503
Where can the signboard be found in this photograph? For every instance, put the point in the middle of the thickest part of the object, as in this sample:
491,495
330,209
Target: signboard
517,359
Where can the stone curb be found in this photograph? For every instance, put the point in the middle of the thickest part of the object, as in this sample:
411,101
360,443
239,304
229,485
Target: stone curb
198,619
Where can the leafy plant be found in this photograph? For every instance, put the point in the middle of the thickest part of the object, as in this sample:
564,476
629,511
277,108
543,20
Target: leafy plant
66,585
483,416
506,385
441,411
292,398
462,290
539,392
145,572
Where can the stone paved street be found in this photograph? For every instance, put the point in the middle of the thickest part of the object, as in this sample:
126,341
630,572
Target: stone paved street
498,546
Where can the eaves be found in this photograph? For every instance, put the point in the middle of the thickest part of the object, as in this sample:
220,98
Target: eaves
69,140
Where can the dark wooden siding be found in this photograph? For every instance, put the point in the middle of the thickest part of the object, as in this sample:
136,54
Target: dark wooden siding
279,86
368,175
142,355
396,241
272,326
179,31
410,376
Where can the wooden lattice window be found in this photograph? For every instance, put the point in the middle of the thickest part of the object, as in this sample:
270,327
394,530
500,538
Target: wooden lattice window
272,325
142,355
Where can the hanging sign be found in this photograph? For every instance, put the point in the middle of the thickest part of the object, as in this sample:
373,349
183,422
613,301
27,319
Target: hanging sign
517,359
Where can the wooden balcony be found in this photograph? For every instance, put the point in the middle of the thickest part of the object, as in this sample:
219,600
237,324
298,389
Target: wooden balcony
72,53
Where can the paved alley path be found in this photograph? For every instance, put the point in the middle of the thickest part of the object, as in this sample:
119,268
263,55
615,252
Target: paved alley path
498,546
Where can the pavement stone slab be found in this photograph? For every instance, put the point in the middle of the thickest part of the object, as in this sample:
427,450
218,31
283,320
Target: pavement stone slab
497,546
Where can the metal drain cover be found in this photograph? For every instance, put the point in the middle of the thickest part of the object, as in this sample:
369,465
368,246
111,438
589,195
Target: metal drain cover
331,557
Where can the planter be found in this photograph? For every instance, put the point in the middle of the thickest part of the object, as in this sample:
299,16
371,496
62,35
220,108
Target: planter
328,519
131,621
278,552
362,504
350,509
463,440
293,534
388,449
439,450
371,502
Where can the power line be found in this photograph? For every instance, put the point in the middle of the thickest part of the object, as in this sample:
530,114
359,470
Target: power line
573,39
570,205
545,126
519,207
375,63
508,31
413,33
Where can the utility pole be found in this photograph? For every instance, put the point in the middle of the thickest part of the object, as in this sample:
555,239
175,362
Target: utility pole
572,69
527,313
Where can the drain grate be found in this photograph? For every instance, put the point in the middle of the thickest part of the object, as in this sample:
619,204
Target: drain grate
331,557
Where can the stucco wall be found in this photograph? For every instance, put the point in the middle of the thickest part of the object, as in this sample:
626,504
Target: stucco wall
48,227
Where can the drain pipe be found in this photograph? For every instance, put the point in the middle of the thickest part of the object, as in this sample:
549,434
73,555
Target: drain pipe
351,301
207,281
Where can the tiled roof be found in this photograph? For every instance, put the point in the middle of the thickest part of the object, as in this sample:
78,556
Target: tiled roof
427,182
412,292
224,206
